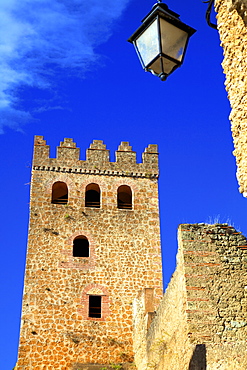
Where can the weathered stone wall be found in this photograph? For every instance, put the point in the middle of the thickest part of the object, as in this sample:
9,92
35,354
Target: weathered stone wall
201,322
163,344
56,331
232,26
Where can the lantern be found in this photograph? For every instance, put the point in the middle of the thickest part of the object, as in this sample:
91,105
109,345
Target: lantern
161,41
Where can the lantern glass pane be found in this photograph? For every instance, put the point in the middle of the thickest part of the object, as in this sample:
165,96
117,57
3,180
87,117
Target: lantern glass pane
168,65
173,40
156,66
148,43
162,65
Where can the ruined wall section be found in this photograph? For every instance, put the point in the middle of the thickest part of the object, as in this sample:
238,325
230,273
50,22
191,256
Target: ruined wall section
202,319
163,343
215,260
56,331
232,26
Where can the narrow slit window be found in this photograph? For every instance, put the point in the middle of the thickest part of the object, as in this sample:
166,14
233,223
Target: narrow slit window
94,306
80,247
59,193
92,196
124,197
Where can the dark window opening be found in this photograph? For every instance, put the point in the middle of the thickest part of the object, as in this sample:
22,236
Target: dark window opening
124,197
59,193
80,247
94,306
92,196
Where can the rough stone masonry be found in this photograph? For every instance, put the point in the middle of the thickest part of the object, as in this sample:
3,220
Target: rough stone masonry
119,254
232,26
201,323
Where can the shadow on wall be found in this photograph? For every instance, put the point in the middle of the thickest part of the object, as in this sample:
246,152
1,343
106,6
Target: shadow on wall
199,359
241,8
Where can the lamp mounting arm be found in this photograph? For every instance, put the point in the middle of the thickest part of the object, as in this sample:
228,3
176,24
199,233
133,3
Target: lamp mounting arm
208,14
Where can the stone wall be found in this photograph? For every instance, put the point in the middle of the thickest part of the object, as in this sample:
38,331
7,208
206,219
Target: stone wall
57,331
201,322
232,26
163,343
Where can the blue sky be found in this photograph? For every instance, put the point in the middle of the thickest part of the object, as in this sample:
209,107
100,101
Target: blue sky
66,70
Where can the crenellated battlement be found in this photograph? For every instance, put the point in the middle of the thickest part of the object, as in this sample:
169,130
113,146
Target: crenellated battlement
97,159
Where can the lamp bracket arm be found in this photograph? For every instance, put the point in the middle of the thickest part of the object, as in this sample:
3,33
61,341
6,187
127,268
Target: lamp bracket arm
208,14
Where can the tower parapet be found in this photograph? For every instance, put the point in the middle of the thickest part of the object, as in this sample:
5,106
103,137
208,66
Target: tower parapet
97,159
97,153
125,154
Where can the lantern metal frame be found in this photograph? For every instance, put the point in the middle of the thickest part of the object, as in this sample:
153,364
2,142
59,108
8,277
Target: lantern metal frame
161,11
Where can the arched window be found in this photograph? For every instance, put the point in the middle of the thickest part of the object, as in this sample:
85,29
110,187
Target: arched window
59,193
80,247
92,196
124,197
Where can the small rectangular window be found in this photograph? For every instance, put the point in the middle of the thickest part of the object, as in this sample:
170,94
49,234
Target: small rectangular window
94,306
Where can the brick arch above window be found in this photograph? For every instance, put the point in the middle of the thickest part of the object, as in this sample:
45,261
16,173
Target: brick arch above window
95,290
109,197
128,182
100,182
67,260
60,178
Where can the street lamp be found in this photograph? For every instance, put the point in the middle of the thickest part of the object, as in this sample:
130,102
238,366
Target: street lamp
161,41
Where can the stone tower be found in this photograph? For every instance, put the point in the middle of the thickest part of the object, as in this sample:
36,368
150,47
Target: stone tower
94,242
